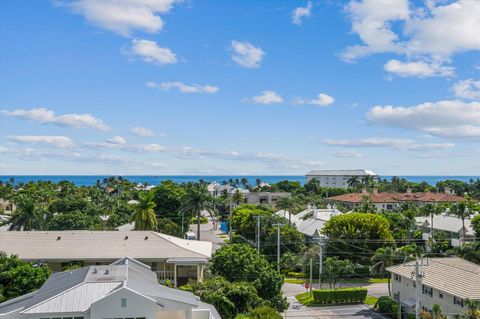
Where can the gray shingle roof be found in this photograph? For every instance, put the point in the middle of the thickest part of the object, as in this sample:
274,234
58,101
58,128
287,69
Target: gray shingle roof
99,245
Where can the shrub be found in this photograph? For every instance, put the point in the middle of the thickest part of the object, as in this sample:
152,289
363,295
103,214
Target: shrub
339,296
387,305
262,312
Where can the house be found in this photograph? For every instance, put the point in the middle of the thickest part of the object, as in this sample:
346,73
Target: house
338,178
216,189
125,288
311,221
392,201
267,198
452,225
447,282
6,207
171,258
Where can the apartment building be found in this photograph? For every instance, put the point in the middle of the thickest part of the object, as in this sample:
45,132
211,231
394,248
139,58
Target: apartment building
338,178
447,282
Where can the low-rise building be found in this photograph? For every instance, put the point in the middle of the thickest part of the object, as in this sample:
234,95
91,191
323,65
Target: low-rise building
451,225
311,221
125,288
171,258
217,189
338,178
447,282
392,201
267,198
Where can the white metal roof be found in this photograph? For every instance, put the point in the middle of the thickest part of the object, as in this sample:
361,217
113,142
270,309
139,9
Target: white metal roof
76,299
453,275
447,223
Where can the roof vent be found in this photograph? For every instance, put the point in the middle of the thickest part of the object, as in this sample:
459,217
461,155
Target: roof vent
59,237
95,270
146,238
126,237
107,272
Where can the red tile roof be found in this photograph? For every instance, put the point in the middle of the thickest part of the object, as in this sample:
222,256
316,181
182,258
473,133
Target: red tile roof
397,197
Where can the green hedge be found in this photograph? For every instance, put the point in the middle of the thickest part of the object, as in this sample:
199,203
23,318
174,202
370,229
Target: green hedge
339,296
387,305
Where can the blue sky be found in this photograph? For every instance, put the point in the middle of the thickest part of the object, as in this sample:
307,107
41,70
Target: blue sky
239,87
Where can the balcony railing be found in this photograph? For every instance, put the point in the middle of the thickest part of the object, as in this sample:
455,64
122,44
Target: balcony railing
164,275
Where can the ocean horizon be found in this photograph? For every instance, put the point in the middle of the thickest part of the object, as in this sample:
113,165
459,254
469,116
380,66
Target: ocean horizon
89,180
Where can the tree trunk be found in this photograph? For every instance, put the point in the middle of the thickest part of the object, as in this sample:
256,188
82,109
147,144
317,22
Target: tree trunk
199,213
431,226
388,283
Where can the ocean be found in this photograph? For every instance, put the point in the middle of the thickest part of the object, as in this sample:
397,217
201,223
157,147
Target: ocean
88,180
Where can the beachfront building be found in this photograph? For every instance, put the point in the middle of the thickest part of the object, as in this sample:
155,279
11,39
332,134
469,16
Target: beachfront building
174,259
447,282
216,189
266,198
339,178
449,224
311,221
125,288
392,201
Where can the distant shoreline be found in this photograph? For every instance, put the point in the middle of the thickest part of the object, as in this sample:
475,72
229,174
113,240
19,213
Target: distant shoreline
88,180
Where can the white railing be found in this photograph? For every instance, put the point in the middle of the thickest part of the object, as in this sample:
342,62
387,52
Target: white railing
456,242
164,275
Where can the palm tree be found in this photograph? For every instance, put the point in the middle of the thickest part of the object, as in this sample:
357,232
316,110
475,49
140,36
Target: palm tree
144,216
384,257
367,179
286,203
431,210
238,197
196,200
353,182
462,210
315,185
27,216
244,182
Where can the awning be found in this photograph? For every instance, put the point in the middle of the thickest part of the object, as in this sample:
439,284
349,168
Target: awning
186,260
410,302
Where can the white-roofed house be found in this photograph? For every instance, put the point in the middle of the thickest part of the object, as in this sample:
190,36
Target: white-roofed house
452,225
171,258
125,288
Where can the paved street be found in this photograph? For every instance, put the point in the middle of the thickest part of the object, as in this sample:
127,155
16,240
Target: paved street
297,310
207,233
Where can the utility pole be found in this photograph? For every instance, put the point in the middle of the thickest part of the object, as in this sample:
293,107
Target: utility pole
320,268
278,246
258,231
311,275
417,274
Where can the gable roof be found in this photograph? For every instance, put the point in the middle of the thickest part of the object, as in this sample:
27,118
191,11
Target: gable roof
452,275
76,290
444,222
99,245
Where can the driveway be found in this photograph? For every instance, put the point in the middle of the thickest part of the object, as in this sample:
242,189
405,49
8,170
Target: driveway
297,310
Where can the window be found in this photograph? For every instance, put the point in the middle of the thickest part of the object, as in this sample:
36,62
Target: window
458,301
123,303
398,278
440,295
426,290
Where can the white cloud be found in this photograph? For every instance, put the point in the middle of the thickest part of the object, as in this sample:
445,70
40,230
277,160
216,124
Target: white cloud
267,97
247,55
117,140
135,148
467,89
419,69
184,88
436,31
321,100
55,141
450,119
124,16
301,12
142,131
348,154
3,149
396,143
152,53
42,115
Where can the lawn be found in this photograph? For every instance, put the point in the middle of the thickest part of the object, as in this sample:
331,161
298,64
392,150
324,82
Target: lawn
350,280
295,281
370,300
